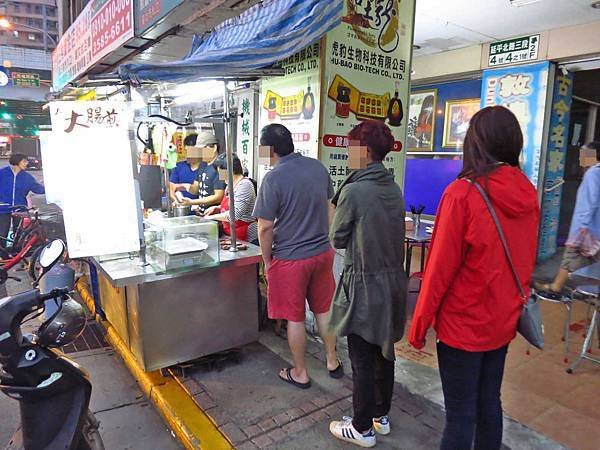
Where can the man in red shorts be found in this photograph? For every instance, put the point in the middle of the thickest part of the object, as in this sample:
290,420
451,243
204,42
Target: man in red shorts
292,209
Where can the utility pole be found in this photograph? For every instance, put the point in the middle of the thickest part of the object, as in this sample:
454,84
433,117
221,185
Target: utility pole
45,27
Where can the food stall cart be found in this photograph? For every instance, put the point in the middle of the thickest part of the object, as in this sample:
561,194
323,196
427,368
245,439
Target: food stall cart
169,305
183,296
177,316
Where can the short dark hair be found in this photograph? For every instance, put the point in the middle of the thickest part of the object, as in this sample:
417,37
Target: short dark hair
494,136
221,163
190,140
376,136
279,137
16,158
596,146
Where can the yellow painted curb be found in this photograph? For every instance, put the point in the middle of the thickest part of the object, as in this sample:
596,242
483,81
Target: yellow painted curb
192,426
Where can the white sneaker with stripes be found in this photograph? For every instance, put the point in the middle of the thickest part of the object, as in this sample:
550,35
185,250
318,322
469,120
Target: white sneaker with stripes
382,425
345,431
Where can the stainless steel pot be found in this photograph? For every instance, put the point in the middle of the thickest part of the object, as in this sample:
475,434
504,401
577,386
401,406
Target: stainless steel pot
181,210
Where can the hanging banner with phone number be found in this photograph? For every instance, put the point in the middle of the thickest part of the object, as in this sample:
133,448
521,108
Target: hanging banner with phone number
102,26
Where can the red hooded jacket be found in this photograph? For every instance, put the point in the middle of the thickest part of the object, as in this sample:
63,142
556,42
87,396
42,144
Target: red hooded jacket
468,291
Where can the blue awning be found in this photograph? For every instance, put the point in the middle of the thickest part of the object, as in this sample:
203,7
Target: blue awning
264,34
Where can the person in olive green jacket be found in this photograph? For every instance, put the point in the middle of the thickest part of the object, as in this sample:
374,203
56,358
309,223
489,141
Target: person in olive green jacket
370,302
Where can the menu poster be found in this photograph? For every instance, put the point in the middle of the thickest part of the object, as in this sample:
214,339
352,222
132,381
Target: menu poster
366,77
90,143
293,100
523,90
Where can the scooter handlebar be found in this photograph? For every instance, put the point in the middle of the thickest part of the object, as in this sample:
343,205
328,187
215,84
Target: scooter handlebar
54,293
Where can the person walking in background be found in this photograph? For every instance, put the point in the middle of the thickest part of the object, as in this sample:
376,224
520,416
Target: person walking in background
15,186
468,290
583,244
292,209
370,301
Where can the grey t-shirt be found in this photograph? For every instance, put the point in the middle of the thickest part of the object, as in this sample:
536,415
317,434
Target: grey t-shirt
295,196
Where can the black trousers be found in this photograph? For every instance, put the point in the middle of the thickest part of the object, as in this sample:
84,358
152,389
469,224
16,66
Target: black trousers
471,382
373,379
5,225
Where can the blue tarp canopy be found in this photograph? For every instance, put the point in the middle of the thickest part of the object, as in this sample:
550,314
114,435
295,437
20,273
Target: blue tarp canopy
264,34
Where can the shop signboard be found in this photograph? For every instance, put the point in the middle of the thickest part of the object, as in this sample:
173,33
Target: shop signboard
23,79
102,27
558,143
366,77
148,12
513,51
245,130
89,147
523,90
293,100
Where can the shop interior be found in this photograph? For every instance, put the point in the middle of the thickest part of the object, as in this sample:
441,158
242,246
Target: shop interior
584,127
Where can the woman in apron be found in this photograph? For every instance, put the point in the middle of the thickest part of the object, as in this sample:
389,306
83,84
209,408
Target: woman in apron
245,197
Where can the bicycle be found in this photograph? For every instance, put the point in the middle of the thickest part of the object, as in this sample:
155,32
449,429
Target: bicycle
28,240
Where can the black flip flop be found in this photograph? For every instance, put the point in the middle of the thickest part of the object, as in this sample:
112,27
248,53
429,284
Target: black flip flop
338,372
293,382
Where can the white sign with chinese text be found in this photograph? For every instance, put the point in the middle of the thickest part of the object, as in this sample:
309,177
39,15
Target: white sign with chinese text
90,143
513,51
245,130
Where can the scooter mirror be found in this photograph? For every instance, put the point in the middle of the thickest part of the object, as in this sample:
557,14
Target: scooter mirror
51,253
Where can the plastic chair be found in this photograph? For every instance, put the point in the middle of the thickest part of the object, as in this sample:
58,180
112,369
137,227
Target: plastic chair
588,294
567,301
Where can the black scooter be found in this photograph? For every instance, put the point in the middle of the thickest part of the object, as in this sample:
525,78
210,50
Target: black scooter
53,391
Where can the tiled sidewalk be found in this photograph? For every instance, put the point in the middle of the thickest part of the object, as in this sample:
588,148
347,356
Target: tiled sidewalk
255,409
537,391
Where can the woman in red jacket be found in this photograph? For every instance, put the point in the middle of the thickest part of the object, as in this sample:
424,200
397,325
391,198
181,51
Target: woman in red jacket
468,293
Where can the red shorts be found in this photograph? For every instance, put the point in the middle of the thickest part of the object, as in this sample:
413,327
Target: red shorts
290,282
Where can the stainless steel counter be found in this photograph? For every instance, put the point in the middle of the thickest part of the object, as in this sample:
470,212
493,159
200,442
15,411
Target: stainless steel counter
125,271
173,317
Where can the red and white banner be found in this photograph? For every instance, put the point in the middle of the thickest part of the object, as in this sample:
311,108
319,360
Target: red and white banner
103,26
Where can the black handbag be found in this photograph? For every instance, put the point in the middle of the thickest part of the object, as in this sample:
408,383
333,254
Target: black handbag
530,325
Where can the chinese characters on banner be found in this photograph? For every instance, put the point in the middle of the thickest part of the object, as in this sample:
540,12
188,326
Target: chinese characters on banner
148,12
102,26
366,77
245,130
514,51
555,163
90,169
523,90
293,100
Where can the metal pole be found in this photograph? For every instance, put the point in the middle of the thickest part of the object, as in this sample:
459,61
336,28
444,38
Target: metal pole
229,153
591,124
166,178
45,13
136,179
